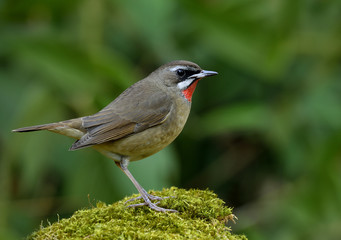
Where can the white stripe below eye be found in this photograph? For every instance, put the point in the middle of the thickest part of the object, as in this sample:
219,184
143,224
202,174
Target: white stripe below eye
185,84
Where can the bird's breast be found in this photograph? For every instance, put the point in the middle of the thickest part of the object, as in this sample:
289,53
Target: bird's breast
151,140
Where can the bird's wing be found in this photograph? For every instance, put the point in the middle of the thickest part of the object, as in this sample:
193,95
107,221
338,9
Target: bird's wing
132,112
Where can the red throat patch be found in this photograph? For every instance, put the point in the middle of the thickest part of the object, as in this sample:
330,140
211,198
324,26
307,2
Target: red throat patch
189,91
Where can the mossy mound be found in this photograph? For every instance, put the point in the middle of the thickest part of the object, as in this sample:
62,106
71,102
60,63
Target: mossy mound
201,216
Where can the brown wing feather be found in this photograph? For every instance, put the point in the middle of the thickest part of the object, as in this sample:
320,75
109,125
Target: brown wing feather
124,117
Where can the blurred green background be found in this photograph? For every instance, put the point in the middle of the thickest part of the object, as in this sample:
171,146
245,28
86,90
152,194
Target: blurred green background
265,134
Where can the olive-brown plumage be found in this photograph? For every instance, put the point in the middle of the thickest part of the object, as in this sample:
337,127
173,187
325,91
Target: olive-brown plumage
141,121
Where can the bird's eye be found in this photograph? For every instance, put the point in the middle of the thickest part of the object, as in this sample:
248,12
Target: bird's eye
180,72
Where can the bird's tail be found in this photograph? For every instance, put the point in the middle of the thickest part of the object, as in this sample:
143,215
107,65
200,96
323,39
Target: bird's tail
49,126
71,128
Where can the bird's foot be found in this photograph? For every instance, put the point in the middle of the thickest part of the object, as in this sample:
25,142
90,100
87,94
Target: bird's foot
153,206
148,198
151,197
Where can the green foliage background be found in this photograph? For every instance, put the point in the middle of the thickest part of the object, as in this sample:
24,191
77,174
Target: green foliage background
265,134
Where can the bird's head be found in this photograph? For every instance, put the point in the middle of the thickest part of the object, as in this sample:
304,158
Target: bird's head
181,76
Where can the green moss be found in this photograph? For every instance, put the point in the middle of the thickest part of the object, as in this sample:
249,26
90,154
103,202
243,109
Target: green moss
201,216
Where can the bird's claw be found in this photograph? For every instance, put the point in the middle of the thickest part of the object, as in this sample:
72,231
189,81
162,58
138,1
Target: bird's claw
151,197
147,202
153,206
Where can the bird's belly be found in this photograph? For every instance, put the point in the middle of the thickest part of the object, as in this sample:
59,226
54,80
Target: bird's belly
147,142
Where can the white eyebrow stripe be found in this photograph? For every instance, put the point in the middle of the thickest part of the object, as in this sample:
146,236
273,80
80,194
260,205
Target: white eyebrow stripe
173,69
184,84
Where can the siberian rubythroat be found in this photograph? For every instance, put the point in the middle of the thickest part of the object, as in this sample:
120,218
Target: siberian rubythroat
141,121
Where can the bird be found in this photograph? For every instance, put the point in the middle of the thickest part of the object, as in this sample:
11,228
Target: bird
141,121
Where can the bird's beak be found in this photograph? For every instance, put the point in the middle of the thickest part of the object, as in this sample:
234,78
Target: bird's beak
203,73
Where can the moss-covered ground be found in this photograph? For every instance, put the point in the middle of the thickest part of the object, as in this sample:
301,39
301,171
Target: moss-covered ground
201,215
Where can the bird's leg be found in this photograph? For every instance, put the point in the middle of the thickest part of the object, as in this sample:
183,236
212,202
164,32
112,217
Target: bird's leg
123,165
